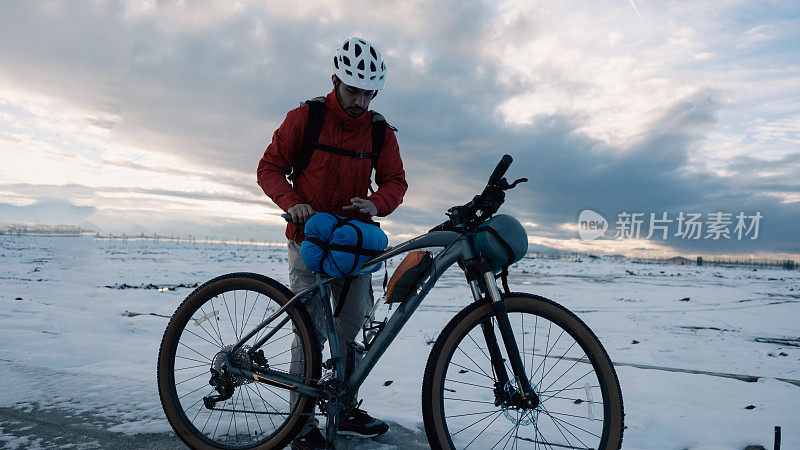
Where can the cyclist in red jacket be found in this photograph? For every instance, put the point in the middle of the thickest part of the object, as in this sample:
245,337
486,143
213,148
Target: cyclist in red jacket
332,174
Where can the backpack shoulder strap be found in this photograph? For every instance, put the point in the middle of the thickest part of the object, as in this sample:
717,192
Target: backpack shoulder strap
316,115
379,126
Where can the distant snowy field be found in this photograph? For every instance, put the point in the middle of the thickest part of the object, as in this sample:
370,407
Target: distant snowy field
81,321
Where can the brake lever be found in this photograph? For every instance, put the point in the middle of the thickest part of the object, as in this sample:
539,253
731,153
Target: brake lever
516,182
505,186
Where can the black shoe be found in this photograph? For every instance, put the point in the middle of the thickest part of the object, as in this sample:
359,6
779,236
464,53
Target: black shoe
359,423
313,440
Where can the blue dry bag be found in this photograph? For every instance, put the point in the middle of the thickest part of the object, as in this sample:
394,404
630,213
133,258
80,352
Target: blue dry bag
337,246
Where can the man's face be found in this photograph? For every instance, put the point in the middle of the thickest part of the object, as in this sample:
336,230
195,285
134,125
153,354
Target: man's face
354,101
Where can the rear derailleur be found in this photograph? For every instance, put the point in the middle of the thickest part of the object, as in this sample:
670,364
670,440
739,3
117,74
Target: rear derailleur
225,383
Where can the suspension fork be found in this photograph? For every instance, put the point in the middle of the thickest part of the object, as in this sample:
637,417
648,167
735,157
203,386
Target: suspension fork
528,398
498,364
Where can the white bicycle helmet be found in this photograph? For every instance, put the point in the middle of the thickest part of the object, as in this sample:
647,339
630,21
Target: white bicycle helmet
357,63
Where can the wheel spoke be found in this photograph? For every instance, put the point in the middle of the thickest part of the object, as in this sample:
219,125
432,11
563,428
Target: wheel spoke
476,364
214,322
475,423
472,371
233,325
200,354
255,302
213,318
561,358
258,422
192,378
562,375
484,429
578,379
556,421
535,331
255,390
213,344
469,384
467,400
205,363
471,414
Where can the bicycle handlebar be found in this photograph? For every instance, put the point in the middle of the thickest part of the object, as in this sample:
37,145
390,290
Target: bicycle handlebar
500,170
467,217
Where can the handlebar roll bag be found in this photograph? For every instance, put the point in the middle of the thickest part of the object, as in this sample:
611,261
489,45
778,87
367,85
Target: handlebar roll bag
502,240
405,277
337,246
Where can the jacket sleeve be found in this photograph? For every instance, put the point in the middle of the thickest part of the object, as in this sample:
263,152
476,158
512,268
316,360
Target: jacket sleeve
279,158
389,176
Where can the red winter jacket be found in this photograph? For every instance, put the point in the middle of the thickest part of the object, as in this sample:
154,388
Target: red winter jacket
331,180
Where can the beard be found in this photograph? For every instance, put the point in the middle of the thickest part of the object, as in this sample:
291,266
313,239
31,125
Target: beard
355,111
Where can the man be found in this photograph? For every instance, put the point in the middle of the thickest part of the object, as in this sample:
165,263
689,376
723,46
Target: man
336,180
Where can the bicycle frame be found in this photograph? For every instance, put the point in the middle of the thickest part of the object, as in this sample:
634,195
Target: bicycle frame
458,247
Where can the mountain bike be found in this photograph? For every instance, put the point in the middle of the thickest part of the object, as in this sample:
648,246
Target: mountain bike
510,370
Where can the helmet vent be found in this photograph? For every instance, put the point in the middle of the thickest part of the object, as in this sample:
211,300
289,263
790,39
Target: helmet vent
348,72
346,45
361,65
346,60
372,51
335,62
361,76
358,49
372,66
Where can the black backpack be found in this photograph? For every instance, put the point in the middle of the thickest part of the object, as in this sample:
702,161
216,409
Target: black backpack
316,116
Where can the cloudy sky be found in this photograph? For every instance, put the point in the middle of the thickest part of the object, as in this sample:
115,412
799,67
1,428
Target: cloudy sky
148,116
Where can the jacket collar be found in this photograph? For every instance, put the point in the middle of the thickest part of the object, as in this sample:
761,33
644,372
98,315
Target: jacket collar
333,107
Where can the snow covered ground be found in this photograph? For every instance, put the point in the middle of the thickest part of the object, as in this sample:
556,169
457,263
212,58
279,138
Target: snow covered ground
81,320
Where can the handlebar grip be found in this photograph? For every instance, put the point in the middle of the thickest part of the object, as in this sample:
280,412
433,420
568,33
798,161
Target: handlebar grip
287,217
501,169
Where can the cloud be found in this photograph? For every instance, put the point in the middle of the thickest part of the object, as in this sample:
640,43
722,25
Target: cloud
145,105
45,211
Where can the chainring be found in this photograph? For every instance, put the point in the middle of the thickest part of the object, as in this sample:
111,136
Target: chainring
336,391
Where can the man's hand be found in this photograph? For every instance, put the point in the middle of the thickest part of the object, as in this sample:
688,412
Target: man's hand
364,206
301,212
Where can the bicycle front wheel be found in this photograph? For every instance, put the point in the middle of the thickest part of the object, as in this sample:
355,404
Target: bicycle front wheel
580,402
198,340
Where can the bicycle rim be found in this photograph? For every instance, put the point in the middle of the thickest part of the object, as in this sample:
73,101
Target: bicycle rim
580,401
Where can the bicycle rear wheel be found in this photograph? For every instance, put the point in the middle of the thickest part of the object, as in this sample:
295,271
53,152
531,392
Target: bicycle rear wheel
202,330
580,402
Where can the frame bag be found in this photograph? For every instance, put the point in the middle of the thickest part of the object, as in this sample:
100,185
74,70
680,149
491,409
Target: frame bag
405,277
337,246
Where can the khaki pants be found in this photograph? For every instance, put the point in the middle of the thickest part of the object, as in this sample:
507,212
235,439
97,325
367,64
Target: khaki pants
357,305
